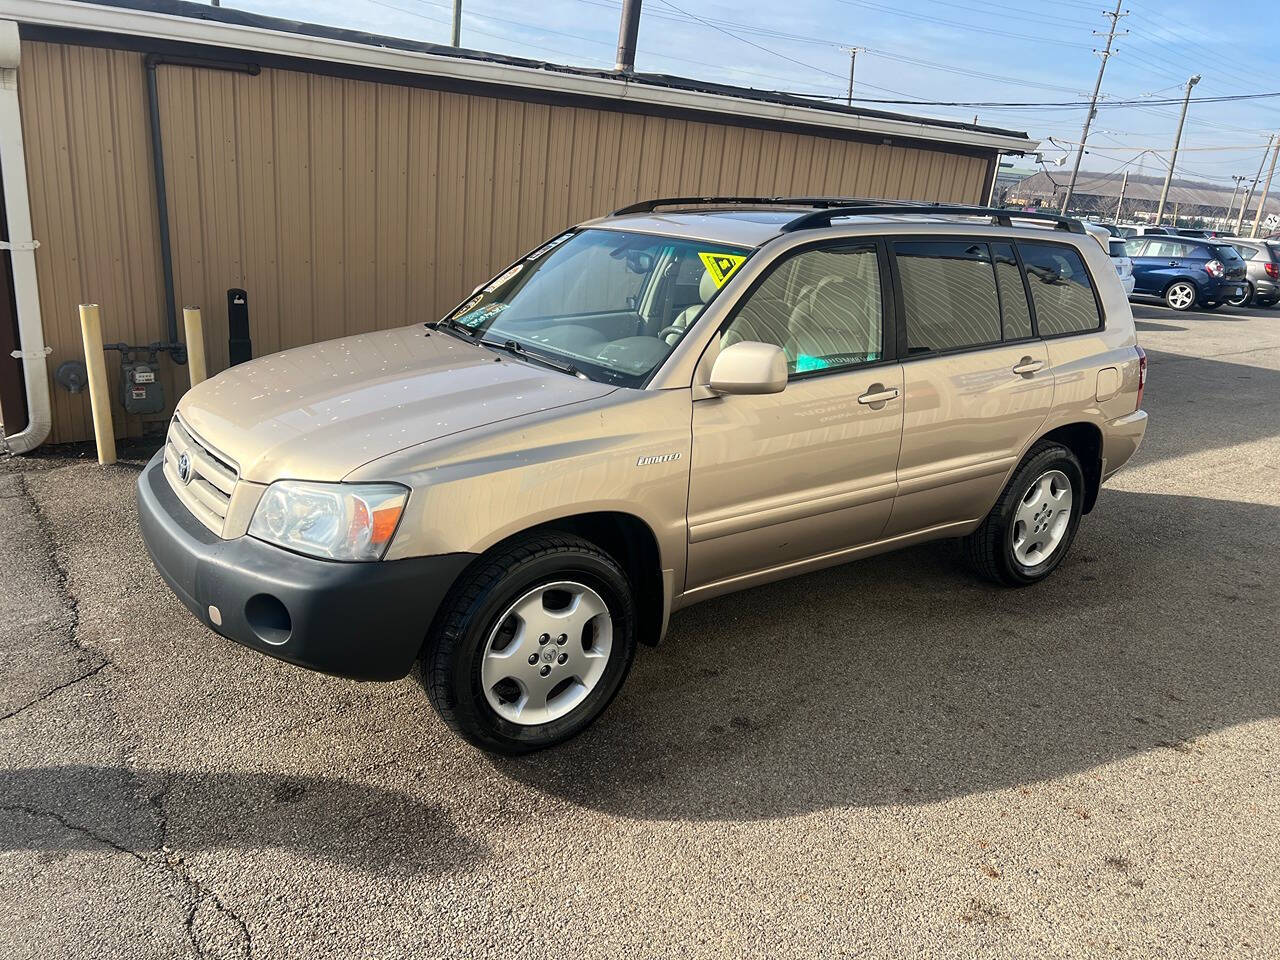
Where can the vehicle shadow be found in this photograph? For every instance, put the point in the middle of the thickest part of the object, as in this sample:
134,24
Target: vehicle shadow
1150,326
903,680
64,808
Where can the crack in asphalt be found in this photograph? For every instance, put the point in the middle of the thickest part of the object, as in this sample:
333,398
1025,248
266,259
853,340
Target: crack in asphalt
198,893
60,687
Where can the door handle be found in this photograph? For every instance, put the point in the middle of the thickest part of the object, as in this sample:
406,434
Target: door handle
1173,263
876,393
1027,366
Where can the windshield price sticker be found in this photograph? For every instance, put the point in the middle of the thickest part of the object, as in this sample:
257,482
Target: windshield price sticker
721,266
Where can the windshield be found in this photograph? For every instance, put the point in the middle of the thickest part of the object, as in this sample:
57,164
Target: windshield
1227,253
1118,248
607,303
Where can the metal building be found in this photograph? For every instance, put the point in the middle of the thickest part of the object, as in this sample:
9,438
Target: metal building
351,182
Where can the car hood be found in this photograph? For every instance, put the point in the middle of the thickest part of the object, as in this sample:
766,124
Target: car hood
318,412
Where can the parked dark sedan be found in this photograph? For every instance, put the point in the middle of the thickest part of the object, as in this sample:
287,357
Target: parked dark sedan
1186,273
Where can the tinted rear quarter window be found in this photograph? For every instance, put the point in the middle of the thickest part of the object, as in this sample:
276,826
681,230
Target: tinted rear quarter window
948,294
1060,289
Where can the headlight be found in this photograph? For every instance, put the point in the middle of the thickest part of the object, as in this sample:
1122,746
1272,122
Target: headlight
337,521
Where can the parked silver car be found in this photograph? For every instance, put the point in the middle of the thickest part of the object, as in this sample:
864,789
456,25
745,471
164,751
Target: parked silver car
1262,258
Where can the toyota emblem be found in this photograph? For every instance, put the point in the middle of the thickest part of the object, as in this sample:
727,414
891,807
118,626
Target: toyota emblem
184,468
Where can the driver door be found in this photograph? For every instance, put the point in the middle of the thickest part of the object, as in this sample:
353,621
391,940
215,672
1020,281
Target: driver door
780,478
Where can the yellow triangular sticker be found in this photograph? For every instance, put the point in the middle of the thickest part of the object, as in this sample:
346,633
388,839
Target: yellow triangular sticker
721,266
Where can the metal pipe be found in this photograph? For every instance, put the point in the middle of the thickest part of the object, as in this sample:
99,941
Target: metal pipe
1124,184
628,31
22,253
95,362
853,60
1257,217
151,61
162,198
1177,140
193,326
456,36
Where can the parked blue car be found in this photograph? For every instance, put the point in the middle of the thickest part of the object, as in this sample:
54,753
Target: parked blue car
1186,272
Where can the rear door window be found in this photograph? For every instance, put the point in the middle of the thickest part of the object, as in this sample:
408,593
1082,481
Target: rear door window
1060,289
949,298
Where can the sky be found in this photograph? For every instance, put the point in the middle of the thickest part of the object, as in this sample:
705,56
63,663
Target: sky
1024,51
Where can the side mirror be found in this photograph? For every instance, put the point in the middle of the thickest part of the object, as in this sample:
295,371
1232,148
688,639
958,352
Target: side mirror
749,367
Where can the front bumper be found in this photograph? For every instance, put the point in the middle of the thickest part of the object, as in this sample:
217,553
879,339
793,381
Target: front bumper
366,621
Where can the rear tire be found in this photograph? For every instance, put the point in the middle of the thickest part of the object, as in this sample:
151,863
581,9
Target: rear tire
1181,295
531,644
1031,527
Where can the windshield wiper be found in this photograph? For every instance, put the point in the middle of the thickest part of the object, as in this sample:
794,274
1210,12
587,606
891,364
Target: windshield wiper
449,325
516,349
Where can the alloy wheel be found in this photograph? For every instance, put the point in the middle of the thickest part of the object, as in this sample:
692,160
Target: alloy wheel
1041,519
547,652
1181,296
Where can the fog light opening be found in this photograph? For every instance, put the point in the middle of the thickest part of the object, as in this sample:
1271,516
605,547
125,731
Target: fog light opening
268,618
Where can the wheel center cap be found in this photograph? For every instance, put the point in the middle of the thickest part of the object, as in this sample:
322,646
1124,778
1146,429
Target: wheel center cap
548,654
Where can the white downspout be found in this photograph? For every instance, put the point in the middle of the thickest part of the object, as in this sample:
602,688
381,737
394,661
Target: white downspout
22,251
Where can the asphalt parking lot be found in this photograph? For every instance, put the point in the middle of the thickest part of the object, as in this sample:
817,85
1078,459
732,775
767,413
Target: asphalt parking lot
884,759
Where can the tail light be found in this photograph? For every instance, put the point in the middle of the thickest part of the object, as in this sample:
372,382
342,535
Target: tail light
1214,268
1273,270
1142,375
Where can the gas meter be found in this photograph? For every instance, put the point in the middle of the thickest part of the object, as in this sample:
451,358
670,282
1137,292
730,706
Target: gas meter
140,389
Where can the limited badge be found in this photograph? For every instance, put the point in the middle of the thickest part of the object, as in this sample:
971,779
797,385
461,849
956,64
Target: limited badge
721,266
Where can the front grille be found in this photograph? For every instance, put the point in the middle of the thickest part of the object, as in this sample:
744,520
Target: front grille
210,480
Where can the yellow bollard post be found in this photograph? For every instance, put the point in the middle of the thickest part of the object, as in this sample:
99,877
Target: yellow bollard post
95,362
194,326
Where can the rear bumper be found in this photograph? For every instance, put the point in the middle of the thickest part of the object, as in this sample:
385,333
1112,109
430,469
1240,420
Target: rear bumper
366,621
1120,441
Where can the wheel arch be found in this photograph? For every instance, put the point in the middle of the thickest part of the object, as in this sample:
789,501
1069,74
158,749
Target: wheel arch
1191,280
1084,439
629,540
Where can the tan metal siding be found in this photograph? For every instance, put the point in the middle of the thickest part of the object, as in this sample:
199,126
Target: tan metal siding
344,206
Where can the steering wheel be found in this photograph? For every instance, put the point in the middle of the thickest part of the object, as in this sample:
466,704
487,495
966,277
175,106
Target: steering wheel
673,328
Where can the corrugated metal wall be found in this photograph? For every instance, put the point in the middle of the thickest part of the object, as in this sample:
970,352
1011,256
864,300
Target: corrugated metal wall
344,205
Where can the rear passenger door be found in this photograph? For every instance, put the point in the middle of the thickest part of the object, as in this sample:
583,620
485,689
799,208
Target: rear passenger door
977,383
1163,261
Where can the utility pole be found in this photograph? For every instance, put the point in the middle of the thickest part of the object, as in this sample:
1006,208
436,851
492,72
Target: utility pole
1238,178
1177,140
1093,102
1257,217
1249,195
853,59
457,23
628,30
1124,185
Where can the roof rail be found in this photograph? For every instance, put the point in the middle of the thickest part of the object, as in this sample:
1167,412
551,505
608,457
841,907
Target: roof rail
998,215
648,206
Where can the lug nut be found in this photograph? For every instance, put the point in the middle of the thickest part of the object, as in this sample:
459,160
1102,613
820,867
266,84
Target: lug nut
542,640
562,639
533,658
562,658
544,671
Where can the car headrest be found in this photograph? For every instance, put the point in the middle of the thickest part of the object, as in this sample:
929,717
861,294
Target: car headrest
707,287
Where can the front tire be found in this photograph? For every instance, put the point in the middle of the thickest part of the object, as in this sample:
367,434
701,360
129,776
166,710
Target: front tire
532,644
1180,296
1031,527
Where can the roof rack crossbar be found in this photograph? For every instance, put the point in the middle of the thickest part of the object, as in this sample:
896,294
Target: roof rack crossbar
648,206
1000,216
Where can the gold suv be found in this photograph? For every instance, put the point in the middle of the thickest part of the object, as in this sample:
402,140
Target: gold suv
686,398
